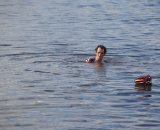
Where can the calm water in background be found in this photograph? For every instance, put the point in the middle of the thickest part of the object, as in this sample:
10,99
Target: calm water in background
44,82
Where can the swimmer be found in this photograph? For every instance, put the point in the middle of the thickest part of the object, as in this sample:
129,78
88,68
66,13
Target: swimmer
100,52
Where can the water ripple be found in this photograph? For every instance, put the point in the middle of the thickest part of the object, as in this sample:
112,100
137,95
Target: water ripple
44,81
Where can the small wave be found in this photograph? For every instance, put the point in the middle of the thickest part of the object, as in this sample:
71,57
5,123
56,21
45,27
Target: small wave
3,45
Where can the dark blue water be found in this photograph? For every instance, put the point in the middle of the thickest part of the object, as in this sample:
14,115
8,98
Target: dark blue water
44,82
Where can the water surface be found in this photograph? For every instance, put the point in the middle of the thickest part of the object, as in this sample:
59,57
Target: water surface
44,81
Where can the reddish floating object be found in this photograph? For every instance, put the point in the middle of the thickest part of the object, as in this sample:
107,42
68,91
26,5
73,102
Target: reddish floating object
144,79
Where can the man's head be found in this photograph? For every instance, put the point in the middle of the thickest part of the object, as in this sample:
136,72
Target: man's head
100,52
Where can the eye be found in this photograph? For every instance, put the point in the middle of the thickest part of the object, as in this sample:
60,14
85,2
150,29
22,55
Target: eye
100,53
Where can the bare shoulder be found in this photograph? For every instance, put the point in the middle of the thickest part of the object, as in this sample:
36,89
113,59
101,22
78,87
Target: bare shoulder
90,60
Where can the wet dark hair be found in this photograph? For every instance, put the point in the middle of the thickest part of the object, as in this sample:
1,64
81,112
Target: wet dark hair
102,47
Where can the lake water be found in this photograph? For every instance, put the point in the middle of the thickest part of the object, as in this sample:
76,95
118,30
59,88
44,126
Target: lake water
44,82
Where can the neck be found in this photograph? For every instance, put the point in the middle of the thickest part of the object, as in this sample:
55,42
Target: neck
98,60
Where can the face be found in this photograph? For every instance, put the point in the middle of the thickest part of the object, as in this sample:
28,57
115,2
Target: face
99,54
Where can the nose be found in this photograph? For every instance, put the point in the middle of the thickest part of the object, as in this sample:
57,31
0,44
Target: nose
100,54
